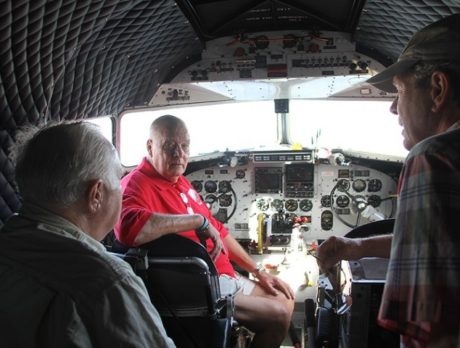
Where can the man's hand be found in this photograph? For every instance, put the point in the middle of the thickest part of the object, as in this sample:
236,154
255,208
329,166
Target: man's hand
273,284
211,233
335,249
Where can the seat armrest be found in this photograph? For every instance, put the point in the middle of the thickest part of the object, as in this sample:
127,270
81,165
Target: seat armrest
138,259
225,307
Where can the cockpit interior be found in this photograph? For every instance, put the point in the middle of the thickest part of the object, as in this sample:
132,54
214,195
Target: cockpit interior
289,144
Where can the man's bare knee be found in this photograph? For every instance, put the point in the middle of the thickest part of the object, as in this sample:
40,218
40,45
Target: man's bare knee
259,313
280,315
282,309
275,316
267,317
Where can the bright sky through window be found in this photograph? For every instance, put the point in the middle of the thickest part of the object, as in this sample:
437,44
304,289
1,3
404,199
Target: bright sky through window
365,126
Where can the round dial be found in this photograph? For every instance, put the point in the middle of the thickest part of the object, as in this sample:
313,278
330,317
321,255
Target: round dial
210,186
225,200
197,185
262,204
224,186
305,205
240,173
343,185
374,200
374,185
210,199
291,205
359,185
326,201
342,201
277,204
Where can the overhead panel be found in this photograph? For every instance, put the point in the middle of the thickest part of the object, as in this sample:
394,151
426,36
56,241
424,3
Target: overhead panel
271,65
224,17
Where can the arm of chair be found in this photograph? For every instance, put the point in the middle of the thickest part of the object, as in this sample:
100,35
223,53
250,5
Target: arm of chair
138,259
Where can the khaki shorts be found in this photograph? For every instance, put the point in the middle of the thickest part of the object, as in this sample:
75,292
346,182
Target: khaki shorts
233,286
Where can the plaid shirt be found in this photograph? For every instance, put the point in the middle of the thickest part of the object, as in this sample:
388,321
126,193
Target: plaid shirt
423,280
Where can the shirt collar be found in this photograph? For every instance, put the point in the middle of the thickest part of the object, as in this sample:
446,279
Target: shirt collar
456,125
50,222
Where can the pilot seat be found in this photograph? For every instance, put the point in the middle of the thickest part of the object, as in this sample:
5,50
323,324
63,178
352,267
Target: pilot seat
183,284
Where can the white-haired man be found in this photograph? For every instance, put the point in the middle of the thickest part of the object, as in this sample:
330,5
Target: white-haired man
58,285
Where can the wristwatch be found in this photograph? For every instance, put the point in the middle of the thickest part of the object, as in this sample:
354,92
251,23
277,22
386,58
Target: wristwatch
205,224
259,268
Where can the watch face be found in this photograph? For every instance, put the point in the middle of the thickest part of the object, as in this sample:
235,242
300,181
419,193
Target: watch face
259,267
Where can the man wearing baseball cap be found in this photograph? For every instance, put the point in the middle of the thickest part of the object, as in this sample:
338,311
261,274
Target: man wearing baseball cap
421,299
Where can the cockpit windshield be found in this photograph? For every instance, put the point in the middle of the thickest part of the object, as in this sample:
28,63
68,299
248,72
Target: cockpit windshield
360,126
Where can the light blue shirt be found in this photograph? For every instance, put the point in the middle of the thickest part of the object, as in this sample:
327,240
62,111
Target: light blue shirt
60,288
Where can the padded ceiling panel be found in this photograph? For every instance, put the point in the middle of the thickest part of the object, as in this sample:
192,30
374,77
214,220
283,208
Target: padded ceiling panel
386,26
67,59
73,59
9,201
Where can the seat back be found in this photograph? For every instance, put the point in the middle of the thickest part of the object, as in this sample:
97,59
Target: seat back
183,284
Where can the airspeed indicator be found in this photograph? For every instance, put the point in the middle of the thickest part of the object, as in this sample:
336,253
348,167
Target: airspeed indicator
305,205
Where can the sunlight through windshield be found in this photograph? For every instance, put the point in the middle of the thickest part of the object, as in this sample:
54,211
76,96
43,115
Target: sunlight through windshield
365,126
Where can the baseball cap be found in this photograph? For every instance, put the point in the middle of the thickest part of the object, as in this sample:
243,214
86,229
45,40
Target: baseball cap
439,41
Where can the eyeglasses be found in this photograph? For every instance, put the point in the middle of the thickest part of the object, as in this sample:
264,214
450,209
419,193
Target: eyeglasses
173,148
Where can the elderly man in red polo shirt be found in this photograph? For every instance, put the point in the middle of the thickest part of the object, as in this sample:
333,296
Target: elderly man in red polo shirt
158,200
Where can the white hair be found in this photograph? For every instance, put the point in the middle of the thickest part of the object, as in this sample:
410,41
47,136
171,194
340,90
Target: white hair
56,165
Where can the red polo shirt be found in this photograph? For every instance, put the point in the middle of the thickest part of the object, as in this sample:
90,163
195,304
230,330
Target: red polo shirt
146,192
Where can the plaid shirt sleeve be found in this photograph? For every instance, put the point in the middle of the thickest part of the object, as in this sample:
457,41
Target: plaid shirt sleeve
423,281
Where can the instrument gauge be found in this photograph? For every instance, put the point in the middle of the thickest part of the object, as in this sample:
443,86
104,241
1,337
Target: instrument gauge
326,201
197,185
374,200
277,204
343,185
306,205
210,186
225,200
327,220
210,199
224,186
240,174
262,204
374,185
291,205
342,201
359,185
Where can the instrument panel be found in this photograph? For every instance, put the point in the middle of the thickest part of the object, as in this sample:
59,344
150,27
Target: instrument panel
279,62
293,190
